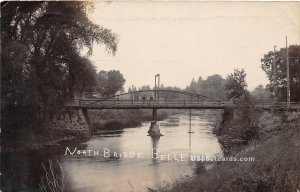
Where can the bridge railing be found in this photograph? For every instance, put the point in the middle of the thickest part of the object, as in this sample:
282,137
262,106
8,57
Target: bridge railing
153,103
282,105
72,102
98,103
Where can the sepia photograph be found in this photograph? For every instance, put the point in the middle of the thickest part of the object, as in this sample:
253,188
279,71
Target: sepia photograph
150,96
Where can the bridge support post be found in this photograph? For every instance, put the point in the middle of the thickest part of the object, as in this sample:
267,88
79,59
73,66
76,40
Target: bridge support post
154,130
154,115
87,121
190,121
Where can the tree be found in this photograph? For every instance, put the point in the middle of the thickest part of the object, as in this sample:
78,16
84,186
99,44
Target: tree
115,82
193,87
213,86
236,84
41,60
278,80
110,82
246,118
131,90
145,94
261,93
246,114
145,88
170,95
84,76
102,81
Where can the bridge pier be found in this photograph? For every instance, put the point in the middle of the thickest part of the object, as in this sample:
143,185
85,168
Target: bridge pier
83,113
154,130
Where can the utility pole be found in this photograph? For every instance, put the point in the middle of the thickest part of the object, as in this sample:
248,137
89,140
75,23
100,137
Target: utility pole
158,85
274,73
288,74
156,89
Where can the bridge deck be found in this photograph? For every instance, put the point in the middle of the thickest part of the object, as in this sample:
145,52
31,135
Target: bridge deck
170,104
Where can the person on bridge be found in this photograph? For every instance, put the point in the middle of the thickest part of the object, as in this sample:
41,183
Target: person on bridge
151,99
144,99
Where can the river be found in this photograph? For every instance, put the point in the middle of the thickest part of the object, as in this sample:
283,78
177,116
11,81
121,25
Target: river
149,162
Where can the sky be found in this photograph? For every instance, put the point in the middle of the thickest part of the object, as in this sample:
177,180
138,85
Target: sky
185,40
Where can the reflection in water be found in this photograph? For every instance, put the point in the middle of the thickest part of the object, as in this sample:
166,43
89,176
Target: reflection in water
98,173
190,149
190,144
155,141
155,146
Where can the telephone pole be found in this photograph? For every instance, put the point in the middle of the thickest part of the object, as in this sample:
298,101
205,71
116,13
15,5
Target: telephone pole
274,73
288,74
156,89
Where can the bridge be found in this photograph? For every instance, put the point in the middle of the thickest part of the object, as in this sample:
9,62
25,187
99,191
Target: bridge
165,99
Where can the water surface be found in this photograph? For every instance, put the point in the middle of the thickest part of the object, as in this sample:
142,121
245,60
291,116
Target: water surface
99,173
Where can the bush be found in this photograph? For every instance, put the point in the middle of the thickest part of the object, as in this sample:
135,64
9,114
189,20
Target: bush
246,118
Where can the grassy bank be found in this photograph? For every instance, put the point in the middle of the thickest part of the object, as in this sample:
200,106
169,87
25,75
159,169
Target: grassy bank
119,119
34,140
276,166
70,128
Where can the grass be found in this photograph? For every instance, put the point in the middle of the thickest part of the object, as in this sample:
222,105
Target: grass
119,119
54,179
276,167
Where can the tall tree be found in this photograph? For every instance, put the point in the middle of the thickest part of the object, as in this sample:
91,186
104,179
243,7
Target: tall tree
193,87
236,84
278,75
130,90
41,60
115,82
261,93
213,86
110,82
145,87
102,81
84,76
170,95
246,114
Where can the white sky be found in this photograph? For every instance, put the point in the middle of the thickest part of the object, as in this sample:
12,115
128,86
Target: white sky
185,40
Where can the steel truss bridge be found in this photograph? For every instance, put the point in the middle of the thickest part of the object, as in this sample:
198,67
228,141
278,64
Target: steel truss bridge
163,99
167,99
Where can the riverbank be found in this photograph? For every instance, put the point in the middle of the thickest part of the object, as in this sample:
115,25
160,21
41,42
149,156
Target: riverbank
112,120
71,127
35,141
276,166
